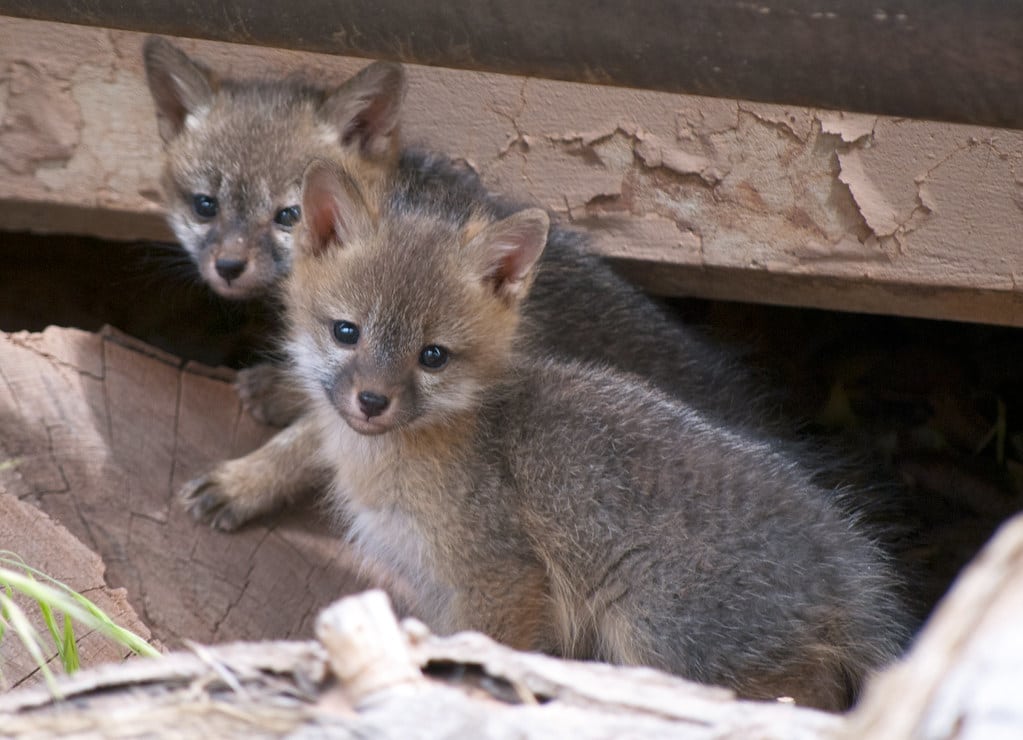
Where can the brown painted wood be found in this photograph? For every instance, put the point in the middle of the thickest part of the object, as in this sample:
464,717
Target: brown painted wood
692,196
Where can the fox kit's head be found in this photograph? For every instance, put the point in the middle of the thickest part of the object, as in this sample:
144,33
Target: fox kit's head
236,151
404,319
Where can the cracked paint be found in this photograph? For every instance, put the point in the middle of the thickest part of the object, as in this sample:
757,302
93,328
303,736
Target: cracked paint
877,212
711,116
792,121
849,127
656,153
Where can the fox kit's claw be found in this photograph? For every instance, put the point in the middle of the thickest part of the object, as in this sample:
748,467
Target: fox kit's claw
207,501
267,395
266,479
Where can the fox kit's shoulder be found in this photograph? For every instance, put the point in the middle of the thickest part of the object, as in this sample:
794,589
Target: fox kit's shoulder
236,149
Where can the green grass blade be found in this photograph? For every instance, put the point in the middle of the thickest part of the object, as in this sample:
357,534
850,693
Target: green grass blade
49,621
70,652
66,659
12,462
3,615
29,637
62,598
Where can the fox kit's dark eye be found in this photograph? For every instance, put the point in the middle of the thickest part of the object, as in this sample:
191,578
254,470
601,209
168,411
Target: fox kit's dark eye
288,217
345,332
205,206
433,357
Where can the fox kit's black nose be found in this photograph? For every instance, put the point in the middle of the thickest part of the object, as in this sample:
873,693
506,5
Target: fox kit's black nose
372,404
229,268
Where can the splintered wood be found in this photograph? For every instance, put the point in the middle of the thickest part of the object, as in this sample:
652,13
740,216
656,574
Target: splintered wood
99,431
484,690
368,678
962,678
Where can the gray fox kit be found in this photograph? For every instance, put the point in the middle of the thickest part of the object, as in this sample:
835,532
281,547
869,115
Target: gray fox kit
235,151
560,505
235,155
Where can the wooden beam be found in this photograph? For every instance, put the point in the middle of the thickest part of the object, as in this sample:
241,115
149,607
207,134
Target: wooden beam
690,196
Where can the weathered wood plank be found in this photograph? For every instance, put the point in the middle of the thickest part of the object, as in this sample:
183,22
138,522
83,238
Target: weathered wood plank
490,691
698,196
959,681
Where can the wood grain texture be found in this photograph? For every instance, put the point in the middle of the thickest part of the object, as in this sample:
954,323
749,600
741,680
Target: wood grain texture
49,547
101,430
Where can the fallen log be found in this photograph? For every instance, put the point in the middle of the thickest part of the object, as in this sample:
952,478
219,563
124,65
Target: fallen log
367,677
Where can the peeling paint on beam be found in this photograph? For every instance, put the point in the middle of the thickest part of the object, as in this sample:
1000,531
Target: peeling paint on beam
704,196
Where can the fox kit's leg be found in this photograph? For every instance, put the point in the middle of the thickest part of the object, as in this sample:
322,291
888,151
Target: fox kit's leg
278,472
815,679
269,395
819,658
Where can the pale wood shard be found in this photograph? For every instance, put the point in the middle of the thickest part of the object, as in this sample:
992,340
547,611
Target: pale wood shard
367,652
692,196
100,430
962,677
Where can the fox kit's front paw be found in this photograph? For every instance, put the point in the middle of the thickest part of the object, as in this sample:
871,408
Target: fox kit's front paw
280,471
212,498
267,395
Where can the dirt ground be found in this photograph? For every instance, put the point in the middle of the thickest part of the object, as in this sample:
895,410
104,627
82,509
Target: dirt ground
935,406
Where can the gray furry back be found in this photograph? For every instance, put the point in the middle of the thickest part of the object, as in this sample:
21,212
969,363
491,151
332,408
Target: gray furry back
695,548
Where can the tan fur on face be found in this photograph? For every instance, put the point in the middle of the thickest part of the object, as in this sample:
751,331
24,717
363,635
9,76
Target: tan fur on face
246,144
390,293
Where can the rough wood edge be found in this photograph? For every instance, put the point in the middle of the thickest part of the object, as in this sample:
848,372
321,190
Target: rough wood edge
380,679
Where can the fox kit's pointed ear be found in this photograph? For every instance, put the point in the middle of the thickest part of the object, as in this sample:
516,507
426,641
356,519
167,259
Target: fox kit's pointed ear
180,87
333,210
366,109
509,249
